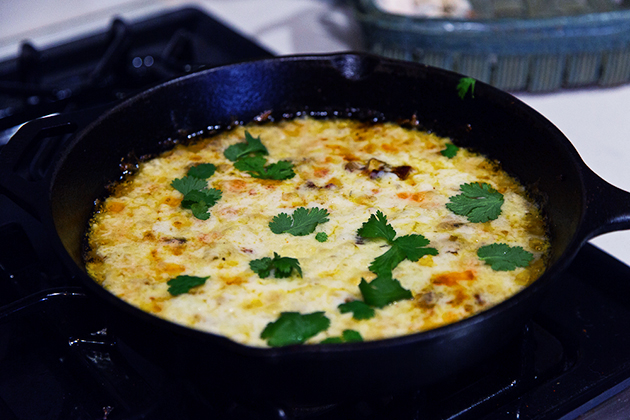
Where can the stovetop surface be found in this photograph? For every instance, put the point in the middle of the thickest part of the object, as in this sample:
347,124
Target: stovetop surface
59,361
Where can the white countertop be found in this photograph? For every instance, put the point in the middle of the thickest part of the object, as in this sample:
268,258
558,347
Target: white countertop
597,121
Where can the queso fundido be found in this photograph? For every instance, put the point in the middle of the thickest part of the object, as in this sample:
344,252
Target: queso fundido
310,231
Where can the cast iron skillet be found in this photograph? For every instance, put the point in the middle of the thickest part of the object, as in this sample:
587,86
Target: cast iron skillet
578,204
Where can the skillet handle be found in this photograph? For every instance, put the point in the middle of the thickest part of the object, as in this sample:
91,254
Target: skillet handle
26,163
607,207
26,160
39,302
29,157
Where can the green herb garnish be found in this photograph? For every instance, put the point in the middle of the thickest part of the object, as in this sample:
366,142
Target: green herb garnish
382,291
301,223
294,328
202,171
209,197
360,310
251,145
385,263
411,247
450,151
502,257
377,227
200,210
197,197
479,202
465,84
282,266
321,237
347,336
182,284
255,166
247,157
188,183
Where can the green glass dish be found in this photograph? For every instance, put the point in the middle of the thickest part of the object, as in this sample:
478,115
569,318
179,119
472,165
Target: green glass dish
515,45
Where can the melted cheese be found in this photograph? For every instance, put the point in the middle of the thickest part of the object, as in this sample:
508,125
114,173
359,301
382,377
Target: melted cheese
141,237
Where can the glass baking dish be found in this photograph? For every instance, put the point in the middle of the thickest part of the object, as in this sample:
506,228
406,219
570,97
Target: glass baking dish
515,45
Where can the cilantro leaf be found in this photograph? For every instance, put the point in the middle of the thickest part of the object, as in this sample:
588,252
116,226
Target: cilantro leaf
247,157
502,257
347,336
450,151
351,336
301,223
384,264
195,179
239,150
182,284
282,266
255,166
285,265
410,247
187,184
360,310
209,197
262,267
281,223
200,201
197,197
321,237
479,202
377,227
202,171
200,210
465,84
294,328
382,291
279,170
251,164
413,247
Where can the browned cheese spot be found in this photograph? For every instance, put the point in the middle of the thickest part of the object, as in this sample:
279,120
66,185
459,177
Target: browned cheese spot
452,278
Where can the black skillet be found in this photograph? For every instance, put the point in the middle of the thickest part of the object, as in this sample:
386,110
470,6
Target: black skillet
577,203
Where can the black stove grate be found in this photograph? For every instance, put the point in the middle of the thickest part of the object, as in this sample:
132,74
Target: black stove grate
115,64
59,361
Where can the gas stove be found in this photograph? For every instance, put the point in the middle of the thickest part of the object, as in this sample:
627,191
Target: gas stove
58,360
112,65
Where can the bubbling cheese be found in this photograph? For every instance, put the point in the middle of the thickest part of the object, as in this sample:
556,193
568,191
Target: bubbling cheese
141,237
